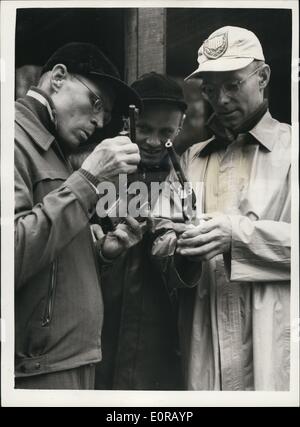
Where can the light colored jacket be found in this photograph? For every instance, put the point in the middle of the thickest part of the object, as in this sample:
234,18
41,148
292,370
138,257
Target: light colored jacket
236,325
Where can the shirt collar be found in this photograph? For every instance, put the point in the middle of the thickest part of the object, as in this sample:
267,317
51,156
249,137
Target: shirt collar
43,99
28,115
264,132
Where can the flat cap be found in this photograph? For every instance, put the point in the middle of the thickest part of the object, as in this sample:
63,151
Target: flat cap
88,60
154,87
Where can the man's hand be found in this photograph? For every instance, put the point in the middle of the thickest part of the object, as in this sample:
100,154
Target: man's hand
125,236
181,227
112,157
203,242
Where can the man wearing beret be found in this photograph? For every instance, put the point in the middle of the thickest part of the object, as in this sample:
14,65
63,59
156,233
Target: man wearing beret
238,321
140,337
58,301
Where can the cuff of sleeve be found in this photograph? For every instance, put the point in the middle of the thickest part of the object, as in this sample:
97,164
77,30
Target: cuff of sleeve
84,192
241,232
91,179
104,260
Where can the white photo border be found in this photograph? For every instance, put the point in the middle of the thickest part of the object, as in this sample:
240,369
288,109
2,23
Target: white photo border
107,398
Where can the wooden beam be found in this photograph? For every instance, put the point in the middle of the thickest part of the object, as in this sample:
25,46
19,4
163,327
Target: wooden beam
131,45
145,42
151,37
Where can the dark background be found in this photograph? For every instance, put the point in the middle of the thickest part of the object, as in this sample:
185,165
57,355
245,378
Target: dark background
188,28
41,31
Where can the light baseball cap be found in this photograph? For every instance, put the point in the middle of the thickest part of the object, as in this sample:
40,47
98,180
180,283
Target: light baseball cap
228,49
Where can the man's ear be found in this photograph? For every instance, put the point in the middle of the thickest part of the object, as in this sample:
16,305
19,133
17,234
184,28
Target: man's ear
264,76
58,76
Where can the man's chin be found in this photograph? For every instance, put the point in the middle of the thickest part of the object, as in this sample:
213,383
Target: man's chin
150,163
231,122
70,147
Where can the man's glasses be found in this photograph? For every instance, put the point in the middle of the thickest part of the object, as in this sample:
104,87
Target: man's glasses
98,103
229,88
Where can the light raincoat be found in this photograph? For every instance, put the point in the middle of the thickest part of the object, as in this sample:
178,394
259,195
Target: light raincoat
235,326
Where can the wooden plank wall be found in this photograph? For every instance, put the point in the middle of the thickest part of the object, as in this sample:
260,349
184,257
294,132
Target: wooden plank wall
145,42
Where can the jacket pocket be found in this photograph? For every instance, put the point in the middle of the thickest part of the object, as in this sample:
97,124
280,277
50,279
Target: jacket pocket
47,317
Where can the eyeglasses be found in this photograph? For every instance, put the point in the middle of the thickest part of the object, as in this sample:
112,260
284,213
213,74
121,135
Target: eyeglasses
229,88
98,103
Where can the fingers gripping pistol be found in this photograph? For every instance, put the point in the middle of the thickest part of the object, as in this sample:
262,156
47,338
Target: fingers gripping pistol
129,129
129,123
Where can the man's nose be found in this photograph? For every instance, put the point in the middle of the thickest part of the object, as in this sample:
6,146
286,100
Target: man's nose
154,141
222,97
98,120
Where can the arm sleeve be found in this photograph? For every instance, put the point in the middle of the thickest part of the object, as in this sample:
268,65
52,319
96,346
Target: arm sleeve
42,230
260,250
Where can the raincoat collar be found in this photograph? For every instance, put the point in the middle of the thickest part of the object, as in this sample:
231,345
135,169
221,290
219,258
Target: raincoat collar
262,130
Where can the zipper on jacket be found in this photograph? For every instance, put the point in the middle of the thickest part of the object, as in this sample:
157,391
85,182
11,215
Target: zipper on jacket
50,298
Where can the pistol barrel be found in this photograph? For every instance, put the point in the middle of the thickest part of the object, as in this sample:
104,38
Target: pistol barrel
133,111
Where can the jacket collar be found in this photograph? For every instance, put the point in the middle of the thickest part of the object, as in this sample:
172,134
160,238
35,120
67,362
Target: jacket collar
32,114
43,99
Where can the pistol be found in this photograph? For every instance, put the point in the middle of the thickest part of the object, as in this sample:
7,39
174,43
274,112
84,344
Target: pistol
129,129
129,123
185,193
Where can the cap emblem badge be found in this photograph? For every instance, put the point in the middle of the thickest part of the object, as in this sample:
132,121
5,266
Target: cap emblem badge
216,46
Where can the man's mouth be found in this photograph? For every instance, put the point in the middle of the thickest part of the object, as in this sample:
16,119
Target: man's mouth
226,113
85,135
150,152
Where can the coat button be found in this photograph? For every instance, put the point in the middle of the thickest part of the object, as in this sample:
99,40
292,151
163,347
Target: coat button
37,366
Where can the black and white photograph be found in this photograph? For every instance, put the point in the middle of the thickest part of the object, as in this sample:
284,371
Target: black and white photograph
149,204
